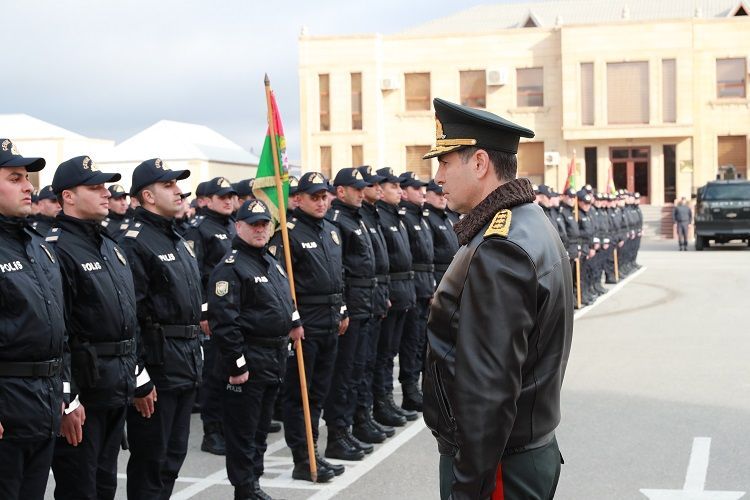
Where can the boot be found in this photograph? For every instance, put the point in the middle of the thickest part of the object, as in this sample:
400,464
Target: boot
322,463
385,429
302,467
407,414
364,430
213,440
412,399
599,288
259,493
275,426
366,448
339,446
385,415
243,493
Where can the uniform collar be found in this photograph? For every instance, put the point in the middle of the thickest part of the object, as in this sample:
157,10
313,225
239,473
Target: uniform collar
116,217
387,207
216,216
240,244
164,224
345,207
410,207
308,219
89,229
433,208
14,226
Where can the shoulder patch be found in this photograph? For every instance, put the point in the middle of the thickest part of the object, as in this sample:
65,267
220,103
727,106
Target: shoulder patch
132,234
231,258
290,225
222,288
500,225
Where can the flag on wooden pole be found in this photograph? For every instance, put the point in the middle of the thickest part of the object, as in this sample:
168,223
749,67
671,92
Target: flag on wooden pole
264,187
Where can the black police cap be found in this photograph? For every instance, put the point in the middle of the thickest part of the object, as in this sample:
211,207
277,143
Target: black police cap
369,175
461,126
584,196
312,182
34,197
46,193
184,196
200,190
80,171
293,184
388,175
570,193
153,170
253,211
545,190
434,187
410,179
350,177
9,157
219,186
117,191
244,187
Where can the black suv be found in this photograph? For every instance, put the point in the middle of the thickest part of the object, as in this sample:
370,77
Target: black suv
722,213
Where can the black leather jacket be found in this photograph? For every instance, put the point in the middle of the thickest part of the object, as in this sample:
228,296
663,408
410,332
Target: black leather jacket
499,336
401,291
371,219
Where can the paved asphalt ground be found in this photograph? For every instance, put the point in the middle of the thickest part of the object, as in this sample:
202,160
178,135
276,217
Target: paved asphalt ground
656,398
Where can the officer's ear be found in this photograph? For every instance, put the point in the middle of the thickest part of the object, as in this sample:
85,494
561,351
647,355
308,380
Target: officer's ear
67,197
481,165
146,196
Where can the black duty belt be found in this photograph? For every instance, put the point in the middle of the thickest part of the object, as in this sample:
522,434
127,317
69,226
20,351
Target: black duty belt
121,348
181,331
267,341
49,368
408,275
383,279
362,282
423,268
334,298
441,267
537,443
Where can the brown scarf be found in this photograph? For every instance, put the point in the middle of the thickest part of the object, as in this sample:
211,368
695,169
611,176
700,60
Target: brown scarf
508,195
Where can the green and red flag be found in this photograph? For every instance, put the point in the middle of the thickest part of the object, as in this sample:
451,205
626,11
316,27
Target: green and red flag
570,182
264,187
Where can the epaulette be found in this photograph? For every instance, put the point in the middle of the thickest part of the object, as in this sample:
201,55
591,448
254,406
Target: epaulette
402,211
105,222
198,221
336,215
55,233
426,213
500,225
230,259
290,224
133,233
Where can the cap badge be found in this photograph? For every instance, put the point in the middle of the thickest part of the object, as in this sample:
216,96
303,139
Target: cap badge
118,189
257,208
356,174
439,129
368,169
317,178
222,182
89,165
389,170
158,163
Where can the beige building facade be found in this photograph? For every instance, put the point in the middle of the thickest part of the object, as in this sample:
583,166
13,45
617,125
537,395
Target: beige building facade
657,100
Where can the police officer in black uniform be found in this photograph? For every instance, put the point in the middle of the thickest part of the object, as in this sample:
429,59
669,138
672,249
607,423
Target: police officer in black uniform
251,314
48,207
445,241
588,246
117,220
402,297
34,380
315,247
211,238
102,324
359,286
366,428
168,296
411,351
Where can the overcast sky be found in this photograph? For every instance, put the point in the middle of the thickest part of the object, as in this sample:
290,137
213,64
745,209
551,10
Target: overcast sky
109,69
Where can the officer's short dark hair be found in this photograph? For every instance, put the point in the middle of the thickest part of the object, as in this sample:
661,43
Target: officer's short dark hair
506,164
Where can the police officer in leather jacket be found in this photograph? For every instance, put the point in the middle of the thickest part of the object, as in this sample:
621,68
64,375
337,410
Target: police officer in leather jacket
501,322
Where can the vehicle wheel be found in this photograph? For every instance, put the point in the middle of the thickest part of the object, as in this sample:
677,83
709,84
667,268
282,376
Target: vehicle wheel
699,243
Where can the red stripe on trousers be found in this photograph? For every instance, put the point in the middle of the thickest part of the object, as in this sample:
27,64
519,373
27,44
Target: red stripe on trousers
498,494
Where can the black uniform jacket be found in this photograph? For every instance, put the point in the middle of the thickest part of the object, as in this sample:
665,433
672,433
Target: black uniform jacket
318,272
100,308
116,225
572,230
358,258
371,219
422,251
32,329
445,241
250,311
211,238
586,230
499,335
168,298
401,291
42,224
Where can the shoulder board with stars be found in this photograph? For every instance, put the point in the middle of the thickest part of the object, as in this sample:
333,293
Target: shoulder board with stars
231,258
402,211
500,225
426,212
55,233
105,222
290,224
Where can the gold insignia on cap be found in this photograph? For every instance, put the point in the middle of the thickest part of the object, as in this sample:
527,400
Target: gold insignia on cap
389,170
439,129
223,182
88,164
500,225
5,144
356,174
120,256
257,208
368,169
118,189
335,237
222,288
158,163
317,178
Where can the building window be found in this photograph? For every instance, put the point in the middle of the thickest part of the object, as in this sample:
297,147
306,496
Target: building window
417,91
356,101
669,91
589,155
474,88
587,93
357,156
670,172
325,102
415,163
627,93
529,87
733,154
531,161
731,78
325,161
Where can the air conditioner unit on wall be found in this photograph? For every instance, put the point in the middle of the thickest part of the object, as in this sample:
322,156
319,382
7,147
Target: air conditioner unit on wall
389,83
551,158
497,76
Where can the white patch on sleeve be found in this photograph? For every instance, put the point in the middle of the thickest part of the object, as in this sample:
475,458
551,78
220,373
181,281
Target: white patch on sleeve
72,406
142,378
66,387
241,361
295,315
204,307
343,309
203,357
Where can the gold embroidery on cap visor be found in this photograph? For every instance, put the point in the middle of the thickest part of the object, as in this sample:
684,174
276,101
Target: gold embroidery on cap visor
445,146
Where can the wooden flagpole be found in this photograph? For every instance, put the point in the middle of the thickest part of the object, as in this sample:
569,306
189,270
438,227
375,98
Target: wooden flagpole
290,277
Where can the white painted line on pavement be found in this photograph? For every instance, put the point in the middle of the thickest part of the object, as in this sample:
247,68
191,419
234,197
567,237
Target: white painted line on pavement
349,477
582,312
695,479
